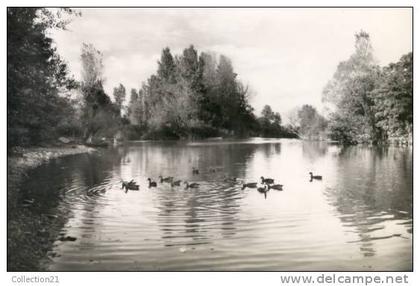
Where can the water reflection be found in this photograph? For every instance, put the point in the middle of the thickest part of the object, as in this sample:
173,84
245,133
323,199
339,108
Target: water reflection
313,150
373,195
358,217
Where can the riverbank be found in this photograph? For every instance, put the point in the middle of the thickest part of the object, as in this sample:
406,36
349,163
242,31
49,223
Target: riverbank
30,234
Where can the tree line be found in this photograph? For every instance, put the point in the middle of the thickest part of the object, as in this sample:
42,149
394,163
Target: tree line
196,95
191,95
364,103
370,104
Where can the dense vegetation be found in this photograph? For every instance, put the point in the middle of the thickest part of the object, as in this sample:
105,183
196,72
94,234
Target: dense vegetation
194,96
372,104
191,95
308,123
38,105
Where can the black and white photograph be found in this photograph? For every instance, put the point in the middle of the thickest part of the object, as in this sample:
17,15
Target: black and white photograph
232,139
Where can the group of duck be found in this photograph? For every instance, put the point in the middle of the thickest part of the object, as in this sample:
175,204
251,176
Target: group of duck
265,185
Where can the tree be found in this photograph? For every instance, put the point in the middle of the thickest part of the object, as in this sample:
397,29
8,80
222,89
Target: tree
267,113
38,80
394,98
226,90
196,95
119,96
277,118
351,88
99,114
166,66
134,96
311,124
209,105
270,123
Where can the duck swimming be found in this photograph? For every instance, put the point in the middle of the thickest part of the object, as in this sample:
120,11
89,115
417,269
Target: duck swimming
263,189
266,180
130,185
315,177
166,180
192,185
249,185
152,183
176,183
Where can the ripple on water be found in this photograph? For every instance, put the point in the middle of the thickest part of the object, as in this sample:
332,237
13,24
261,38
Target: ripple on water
359,217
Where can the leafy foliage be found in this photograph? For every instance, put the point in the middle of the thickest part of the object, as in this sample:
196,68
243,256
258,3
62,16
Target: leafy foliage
371,103
394,98
270,124
119,96
312,125
38,82
99,115
193,95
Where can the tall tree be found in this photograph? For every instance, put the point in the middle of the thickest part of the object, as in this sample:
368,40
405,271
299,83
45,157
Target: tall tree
166,66
267,113
203,97
351,88
226,89
99,114
37,77
270,123
311,124
119,96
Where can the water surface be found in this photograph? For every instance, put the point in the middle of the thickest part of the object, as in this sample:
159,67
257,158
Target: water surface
359,217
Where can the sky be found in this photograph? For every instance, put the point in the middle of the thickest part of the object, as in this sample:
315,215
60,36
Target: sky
285,55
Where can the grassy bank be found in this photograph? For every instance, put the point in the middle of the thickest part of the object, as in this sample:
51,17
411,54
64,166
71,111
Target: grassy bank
30,234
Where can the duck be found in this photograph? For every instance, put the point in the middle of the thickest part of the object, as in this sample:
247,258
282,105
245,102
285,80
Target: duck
195,171
192,185
131,185
276,187
124,183
266,180
176,183
249,185
262,189
166,180
315,177
152,183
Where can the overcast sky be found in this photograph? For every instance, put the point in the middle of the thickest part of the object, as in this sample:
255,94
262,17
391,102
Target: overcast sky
285,55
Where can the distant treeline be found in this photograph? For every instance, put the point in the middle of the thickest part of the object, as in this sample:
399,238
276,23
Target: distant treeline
191,95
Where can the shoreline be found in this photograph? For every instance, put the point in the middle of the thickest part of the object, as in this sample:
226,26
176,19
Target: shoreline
30,235
35,156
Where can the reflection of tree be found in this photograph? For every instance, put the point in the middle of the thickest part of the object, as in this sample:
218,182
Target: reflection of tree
371,187
198,216
270,149
91,176
47,186
314,150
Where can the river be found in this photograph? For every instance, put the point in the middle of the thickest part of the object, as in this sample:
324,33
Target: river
358,217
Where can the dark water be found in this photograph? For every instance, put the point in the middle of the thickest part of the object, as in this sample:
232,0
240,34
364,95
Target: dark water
359,217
